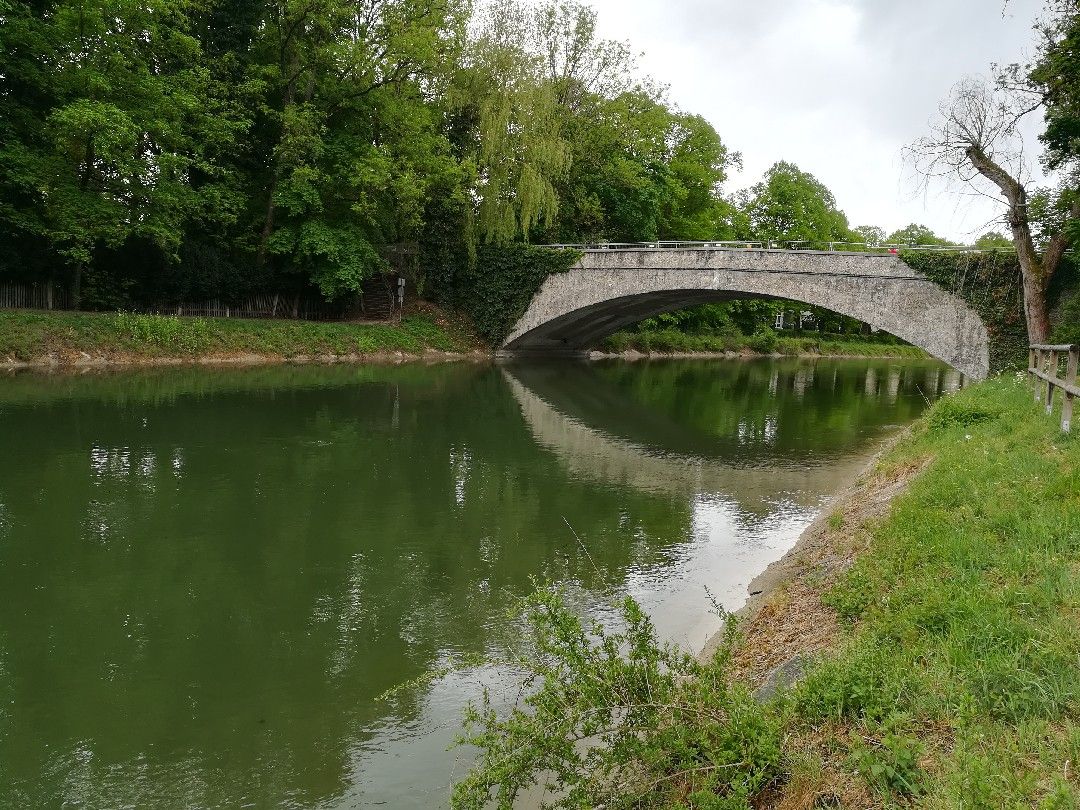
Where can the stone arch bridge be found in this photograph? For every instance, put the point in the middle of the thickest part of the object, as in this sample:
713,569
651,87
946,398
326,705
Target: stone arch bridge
611,288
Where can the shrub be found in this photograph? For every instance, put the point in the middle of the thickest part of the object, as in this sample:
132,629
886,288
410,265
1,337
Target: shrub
764,341
659,728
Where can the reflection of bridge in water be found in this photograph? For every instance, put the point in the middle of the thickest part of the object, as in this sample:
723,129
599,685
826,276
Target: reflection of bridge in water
600,434
593,454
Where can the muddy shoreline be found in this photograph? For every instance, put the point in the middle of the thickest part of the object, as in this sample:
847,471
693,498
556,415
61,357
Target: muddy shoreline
83,361
784,620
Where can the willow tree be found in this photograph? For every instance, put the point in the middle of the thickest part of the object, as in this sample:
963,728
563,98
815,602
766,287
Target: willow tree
520,150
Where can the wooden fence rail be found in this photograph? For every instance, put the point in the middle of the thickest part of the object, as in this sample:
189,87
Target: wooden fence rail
1044,366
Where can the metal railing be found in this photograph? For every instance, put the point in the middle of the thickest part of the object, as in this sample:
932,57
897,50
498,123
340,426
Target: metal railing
800,245
1044,366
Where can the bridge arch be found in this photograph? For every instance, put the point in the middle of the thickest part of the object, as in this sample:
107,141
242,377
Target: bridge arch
610,289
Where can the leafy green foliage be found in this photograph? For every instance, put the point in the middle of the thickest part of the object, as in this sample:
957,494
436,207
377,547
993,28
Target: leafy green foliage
182,335
496,290
990,284
793,205
616,719
29,336
915,234
1055,75
890,764
166,151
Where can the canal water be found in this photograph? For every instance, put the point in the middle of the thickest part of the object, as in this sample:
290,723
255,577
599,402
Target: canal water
209,578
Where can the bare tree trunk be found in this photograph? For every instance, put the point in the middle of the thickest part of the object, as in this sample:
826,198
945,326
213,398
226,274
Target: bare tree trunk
1036,311
1035,272
268,221
76,287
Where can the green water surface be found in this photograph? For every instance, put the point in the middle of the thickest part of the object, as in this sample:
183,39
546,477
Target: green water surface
208,577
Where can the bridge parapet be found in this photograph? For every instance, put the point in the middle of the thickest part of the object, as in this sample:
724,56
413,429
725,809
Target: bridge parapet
803,246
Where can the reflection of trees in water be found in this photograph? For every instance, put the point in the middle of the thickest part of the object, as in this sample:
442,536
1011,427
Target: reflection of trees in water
764,412
210,588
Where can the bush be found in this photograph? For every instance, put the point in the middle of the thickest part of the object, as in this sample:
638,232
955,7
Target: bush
764,341
660,729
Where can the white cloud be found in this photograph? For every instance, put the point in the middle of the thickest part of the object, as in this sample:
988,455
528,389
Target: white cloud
836,86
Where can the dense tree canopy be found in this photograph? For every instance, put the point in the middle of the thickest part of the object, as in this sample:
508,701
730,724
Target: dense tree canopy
791,205
165,149
918,235
171,150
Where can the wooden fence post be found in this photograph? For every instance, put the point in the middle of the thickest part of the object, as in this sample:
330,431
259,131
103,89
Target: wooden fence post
1036,366
1052,370
1070,383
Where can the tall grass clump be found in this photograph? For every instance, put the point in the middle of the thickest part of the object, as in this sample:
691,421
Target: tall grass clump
183,335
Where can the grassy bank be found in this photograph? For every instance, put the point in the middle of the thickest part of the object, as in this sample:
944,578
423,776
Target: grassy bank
672,341
124,337
939,634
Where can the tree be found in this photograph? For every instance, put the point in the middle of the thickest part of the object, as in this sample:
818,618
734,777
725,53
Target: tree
577,62
976,140
350,139
915,234
520,152
993,240
1054,78
870,235
790,205
122,118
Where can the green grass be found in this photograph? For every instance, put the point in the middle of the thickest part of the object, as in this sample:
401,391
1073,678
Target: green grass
672,341
953,681
964,615
29,335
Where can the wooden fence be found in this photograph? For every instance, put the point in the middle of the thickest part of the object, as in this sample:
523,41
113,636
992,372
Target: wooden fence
33,296
1044,366
376,301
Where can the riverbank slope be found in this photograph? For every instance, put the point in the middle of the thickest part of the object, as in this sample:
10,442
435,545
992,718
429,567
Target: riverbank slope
37,339
934,611
33,339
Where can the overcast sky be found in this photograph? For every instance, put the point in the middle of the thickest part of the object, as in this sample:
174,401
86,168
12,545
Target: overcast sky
835,86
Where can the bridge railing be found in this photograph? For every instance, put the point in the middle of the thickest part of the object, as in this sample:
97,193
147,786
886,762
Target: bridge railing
742,244
1044,367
